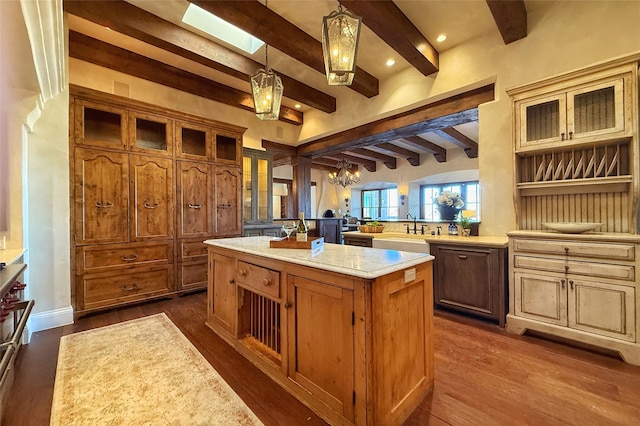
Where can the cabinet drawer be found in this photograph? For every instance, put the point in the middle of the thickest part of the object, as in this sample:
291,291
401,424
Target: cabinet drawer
192,249
192,274
94,258
261,279
604,270
102,290
577,248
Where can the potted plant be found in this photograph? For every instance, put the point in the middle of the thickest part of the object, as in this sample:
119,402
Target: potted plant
465,224
449,204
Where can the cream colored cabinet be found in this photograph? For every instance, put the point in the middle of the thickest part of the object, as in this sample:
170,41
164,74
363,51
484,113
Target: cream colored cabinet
589,112
579,287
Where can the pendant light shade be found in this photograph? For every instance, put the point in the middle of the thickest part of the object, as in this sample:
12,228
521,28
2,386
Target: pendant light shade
340,36
267,90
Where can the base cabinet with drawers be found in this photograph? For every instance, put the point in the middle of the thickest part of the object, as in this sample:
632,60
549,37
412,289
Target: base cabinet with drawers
580,287
149,185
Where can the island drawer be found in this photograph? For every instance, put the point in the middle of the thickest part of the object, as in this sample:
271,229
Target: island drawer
263,280
550,264
613,251
94,258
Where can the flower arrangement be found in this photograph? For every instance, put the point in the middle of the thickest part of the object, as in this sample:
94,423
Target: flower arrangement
450,199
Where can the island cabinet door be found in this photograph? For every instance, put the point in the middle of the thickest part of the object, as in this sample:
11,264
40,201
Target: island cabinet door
321,343
222,290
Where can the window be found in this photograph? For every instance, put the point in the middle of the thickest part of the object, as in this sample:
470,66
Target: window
470,192
380,203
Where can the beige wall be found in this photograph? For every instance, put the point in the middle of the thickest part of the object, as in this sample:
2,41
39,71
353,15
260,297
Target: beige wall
562,37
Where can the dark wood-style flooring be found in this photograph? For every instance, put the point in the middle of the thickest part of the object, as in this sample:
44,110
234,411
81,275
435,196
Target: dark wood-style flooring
483,376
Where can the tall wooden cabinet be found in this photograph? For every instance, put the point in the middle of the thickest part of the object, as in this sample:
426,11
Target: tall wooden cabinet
576,160
149,185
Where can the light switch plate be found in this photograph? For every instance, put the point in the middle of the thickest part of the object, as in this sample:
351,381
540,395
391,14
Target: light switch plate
409,275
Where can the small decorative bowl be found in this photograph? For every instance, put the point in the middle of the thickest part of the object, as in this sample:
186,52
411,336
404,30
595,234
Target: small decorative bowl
572,227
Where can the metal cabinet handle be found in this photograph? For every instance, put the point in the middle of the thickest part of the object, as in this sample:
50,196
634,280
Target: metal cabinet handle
232,281
566,249
132,287
101,205
130,258
266,282
150,206
194,206
570,135
462,256
562,283
571,284
566,268
562,136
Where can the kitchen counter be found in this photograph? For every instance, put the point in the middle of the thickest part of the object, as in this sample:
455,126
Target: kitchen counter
9,256
483,240
361,262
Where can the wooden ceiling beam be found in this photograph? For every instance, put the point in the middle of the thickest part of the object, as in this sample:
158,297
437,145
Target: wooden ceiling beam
387,160
412,157
388,22
106,55
438,152
510,17
469,145
455,110
367,164
132,21
258,20
279,148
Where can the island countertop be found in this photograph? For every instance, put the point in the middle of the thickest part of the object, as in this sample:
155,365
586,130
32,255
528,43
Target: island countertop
361,262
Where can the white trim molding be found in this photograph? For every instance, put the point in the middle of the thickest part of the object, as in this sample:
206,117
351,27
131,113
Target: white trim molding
50,319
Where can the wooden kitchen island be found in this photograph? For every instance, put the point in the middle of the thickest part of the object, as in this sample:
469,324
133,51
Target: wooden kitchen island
347,330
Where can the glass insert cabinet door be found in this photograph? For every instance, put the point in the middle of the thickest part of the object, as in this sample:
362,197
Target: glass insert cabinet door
257,186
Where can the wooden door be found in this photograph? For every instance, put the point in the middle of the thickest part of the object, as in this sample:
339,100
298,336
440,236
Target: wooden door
228,219
153,201
222,288
194,199
101,193
321,342
541,297
604,309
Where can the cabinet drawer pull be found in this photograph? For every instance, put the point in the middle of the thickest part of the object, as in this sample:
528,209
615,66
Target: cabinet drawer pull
132,287
571,284
462,256
266,282
194,206
287,305
130,258
232,281
562,136
150,206
570,135
101,205
242,272
566,249
566,268
562,283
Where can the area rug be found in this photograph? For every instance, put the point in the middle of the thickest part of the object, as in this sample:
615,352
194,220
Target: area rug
141,372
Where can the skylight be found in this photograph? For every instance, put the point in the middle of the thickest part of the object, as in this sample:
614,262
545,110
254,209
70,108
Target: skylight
221,29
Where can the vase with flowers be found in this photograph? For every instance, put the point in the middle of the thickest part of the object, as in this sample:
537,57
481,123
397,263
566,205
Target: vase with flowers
449,204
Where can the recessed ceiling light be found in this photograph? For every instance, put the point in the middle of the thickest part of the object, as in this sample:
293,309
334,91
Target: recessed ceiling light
220,29
297,106
441,38
391,62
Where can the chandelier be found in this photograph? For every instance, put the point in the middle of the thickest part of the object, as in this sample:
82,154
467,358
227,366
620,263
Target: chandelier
340,36
267,90
343,176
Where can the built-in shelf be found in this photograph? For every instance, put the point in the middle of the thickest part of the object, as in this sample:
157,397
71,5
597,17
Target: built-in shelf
575,186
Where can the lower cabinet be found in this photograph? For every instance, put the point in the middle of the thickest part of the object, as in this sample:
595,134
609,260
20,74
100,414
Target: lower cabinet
356,351
579,287
351,239
262,230
471,279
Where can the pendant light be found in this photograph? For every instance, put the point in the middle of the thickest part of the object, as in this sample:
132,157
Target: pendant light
267,90
344,177
340,37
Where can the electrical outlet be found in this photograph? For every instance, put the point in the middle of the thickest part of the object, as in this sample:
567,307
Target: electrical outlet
409,275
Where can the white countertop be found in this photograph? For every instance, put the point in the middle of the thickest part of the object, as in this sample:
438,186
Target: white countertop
361,262
9,256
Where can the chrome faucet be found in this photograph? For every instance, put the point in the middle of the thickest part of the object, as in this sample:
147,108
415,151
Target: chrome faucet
415,227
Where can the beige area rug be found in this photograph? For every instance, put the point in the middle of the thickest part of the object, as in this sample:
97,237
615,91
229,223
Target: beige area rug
141,372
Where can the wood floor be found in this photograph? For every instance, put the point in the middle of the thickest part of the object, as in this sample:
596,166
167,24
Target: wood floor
483,376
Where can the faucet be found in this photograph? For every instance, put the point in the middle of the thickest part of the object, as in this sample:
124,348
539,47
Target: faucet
415,228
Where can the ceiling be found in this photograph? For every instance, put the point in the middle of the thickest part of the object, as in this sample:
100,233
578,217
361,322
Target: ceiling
147,39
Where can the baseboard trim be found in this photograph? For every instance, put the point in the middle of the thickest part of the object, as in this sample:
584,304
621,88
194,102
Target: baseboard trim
50,319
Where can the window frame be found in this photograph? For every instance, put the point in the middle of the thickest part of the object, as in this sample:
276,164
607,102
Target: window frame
448,187
393,203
